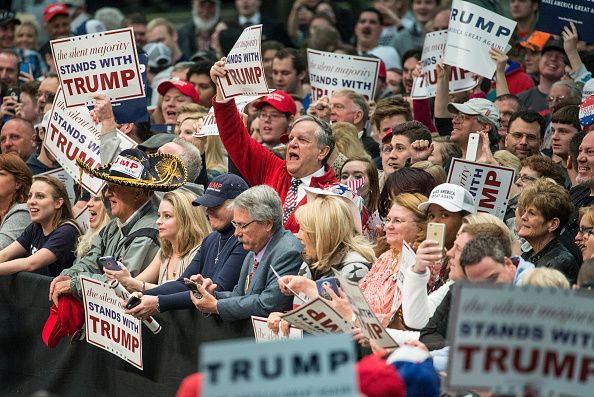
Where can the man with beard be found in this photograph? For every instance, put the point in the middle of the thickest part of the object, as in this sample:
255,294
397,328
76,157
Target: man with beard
410,59
195,35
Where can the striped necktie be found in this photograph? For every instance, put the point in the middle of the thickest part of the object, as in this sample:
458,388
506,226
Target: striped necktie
291,199
248,280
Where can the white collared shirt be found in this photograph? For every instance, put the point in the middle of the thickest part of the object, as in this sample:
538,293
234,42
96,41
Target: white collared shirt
306,181
254,20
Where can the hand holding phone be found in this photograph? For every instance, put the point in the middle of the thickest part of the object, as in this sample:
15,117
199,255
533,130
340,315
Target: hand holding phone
192,286
327,282
436,232
472,148
109,263
132,302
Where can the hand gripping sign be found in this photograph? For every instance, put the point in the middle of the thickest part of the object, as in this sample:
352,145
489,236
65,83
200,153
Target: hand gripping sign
245,72
472,32
72,133
107,325
425,86
104,62
317,317
329,72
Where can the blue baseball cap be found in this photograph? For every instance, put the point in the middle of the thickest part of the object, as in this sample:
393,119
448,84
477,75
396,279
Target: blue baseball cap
223,187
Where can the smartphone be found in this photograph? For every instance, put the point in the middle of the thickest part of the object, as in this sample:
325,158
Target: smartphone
472,148
192,286
109,262
25,67
132,302
327,281
436,232
14,93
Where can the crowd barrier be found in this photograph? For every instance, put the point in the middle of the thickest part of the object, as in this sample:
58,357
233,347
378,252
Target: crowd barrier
27,365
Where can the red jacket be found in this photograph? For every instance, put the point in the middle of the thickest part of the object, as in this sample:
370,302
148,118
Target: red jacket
257,165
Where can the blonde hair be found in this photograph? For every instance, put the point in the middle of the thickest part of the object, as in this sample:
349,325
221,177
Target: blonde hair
347,140
86,239
328,223
411,202
192,224
435,170
546,277
587,214
506,158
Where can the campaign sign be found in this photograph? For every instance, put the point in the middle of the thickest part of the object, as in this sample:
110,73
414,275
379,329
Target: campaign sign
133,110
553,15
265,334
245,72
62,176
370,326
107,325
587,111
317,317
72,133
315,366
407,260
503,338
425,86
489,184
472,32
209,126
98,63
329,72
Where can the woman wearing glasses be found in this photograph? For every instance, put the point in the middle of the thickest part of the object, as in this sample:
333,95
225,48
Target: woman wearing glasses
584,238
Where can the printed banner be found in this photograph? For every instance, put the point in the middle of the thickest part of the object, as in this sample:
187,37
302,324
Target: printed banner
503,338
72,133
265,334
407,260
329,72
210,123
107,325
317,317
98,63
472,32
370,326
425,86
245,72
315,366
553,15
489,184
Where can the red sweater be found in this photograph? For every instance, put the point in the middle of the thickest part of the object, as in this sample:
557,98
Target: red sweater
257,165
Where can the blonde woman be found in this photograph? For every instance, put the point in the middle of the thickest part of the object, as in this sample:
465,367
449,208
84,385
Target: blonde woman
347,140
190,121
182,227
98,217
546,277
328,234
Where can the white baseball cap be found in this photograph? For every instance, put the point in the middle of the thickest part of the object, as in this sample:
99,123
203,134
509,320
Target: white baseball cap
476,107
450,197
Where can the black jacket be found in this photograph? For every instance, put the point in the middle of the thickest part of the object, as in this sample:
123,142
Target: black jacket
556,256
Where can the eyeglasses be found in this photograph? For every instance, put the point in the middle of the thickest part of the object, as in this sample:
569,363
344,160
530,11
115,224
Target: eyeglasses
272,116
462,117
556,98
586,231
526,178
396,221
241,226
48,96
518,136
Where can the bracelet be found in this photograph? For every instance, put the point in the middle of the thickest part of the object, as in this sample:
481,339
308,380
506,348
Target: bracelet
143,285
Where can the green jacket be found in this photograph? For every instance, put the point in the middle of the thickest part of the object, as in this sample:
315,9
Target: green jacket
111,242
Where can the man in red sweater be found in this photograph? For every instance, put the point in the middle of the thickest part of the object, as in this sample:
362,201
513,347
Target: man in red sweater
309,144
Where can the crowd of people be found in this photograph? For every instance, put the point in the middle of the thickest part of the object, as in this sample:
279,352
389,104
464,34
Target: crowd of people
294,188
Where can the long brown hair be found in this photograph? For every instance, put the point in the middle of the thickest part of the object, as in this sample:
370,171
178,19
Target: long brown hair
13,164
64,213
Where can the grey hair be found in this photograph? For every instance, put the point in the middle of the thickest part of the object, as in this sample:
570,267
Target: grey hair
262,203
574,89
182,65
481,247
190,156
323,133
493,130
358,100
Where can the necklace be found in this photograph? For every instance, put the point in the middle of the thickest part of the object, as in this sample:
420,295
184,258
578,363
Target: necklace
216,260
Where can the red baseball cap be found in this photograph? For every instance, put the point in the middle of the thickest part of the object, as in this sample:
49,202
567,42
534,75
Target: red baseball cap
63,320
382,74
279,100
185,88
54,9
377,379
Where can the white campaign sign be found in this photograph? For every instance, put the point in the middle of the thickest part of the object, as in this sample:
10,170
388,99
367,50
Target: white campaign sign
98,63
245,72
503,338
314,366
264,334
425,86
107,325
489,184
72,133
472,32
210,123
370,326
62,176
407,260
317,317
329,72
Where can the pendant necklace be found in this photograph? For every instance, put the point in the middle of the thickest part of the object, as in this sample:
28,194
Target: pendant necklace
216,260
